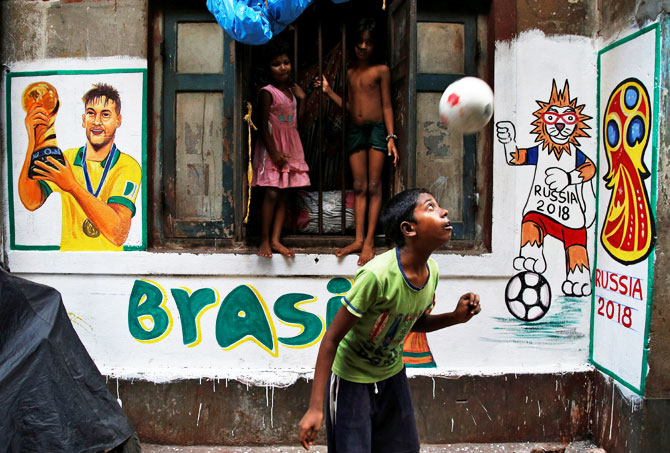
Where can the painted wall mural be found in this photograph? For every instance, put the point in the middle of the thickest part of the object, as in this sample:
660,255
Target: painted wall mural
629,230
268,330
87,194
559,204
628,125
243,315
170,316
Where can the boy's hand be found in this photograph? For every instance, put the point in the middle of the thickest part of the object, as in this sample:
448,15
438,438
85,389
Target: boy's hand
325,86
467,307
392,151
310,426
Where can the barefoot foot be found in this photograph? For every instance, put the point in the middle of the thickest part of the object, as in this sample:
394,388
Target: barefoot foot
354,247
265,250
281,248
367,254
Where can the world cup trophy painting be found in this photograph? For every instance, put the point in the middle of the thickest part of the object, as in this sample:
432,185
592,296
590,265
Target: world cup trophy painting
43,94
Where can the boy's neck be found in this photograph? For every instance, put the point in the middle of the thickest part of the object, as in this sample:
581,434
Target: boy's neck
363,64
412,259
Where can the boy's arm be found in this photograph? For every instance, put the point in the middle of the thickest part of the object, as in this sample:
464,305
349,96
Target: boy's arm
325,87
467,307
311,421
387,112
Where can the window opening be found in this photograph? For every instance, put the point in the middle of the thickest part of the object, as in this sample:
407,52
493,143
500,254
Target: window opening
318,215
200,158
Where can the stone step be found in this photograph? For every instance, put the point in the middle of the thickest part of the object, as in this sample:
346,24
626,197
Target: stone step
520,447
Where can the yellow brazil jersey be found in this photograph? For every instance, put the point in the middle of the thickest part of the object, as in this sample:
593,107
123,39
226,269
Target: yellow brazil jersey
121,185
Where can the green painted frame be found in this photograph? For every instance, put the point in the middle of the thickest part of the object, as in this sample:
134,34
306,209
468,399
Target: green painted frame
10,177
639,387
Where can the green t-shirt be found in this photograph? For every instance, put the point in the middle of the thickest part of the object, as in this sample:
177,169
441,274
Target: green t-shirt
388,305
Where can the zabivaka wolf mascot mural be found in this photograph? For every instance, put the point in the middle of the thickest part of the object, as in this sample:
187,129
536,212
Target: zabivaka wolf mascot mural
561,199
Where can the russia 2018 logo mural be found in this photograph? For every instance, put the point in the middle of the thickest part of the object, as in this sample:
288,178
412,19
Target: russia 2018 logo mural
630,123
629,230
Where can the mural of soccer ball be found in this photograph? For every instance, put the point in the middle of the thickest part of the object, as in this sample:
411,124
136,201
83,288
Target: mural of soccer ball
528,296
466,105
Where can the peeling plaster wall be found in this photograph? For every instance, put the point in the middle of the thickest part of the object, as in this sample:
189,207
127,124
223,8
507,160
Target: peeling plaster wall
616,17
73,29
624,422
557,17
658,380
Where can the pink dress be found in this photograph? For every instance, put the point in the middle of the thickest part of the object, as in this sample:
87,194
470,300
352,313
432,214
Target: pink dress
284,131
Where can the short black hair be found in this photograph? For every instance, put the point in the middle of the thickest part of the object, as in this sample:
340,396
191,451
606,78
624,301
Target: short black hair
399,209
102,90
274,49
368,24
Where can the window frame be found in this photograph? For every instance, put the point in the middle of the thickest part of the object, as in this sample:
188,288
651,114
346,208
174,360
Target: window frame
463,230
472,235
197,233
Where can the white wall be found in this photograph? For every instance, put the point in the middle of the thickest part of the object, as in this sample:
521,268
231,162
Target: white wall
96,287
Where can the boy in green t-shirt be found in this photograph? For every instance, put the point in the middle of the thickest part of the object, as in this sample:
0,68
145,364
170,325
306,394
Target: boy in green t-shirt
359,365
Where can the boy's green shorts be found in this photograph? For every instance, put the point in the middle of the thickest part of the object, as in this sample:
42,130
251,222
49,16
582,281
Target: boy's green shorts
366,135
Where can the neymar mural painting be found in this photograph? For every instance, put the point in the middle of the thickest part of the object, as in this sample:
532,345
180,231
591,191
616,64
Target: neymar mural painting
628,126
560,202
75,160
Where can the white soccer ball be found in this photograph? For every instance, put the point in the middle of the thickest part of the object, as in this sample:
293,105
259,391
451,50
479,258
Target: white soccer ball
528,296
466,105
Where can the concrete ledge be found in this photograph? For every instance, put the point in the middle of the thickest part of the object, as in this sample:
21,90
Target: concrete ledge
505,408
625,422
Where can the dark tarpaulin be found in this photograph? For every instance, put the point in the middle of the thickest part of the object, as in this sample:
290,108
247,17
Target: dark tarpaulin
52,396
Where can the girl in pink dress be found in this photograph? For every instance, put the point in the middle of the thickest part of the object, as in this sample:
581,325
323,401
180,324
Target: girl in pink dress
279,161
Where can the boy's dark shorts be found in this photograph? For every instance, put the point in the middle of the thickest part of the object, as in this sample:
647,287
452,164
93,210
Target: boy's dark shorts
363,418
366,135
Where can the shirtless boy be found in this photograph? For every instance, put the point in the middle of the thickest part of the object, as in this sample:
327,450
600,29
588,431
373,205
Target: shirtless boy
371,134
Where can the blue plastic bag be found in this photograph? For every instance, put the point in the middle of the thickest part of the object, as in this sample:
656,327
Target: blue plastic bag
285,12
241,21
251,21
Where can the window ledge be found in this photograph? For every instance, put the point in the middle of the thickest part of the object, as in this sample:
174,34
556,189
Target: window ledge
145,263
